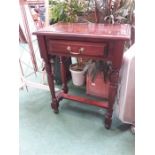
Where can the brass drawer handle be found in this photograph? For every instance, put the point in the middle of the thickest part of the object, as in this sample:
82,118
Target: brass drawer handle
70,51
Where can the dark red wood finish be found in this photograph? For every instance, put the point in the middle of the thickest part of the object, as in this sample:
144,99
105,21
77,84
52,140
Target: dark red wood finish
87,40
57,46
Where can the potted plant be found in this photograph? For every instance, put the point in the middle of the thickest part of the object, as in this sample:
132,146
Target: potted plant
77,72
66,10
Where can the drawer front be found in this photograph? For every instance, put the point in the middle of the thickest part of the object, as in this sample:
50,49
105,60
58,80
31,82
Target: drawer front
77,48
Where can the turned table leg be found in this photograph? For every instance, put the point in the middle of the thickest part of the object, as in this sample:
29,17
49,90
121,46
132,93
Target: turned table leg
63,74
50,76
111,99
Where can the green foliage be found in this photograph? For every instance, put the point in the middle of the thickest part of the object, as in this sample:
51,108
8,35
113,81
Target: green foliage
116,11
65,11
125,12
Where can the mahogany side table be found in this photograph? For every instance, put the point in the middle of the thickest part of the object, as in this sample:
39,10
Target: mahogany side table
87,40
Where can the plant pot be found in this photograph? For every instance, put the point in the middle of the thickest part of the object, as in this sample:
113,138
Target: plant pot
78,77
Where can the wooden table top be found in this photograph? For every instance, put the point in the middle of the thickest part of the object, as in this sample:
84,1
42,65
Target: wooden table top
91,30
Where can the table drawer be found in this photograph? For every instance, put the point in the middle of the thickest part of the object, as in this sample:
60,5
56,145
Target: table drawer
77,48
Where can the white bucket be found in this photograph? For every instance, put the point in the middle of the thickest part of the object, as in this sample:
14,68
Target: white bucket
78,77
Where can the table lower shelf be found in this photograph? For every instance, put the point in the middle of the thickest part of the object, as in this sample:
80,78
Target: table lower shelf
102,104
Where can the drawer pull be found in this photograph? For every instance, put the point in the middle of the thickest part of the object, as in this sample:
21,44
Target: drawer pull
70,51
